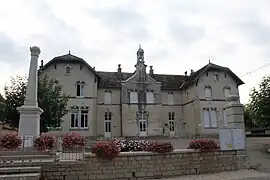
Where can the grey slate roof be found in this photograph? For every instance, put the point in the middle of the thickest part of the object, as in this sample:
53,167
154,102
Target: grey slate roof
70,59
113,80
210,66
168,82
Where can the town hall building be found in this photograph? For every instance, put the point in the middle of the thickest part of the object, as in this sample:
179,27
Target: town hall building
141,103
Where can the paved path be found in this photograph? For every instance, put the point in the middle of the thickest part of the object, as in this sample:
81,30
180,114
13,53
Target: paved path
258,159
235,175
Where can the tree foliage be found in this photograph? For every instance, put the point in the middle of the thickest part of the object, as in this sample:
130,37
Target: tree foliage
249,123
259,105
2,108
50,99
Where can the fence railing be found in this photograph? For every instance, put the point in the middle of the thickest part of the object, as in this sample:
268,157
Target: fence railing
26,146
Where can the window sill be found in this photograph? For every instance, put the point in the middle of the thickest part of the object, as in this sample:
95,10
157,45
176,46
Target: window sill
79,129
210,127
54,128
80,97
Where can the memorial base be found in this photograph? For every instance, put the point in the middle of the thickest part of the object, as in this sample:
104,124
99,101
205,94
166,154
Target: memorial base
29,125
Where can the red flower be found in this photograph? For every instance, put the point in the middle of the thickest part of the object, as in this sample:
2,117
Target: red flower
105,149
45,142
10,141
203,144
71,139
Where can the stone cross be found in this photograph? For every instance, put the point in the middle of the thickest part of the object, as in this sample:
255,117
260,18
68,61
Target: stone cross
29,125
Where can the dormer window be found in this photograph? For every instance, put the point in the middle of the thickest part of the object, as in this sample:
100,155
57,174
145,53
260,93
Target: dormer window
216,77
208,92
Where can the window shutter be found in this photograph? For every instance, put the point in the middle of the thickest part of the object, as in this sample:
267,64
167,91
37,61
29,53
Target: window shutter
170,99
133,97
206,118
150,97
225,120
208,92
227,92
107,98
213,118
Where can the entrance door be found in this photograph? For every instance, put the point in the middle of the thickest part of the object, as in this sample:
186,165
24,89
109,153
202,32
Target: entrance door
108,125
172,127
142,127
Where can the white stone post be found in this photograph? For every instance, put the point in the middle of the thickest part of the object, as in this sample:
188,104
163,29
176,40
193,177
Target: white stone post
29,125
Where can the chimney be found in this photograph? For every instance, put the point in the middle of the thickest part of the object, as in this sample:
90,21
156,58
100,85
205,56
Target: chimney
94,68
41,65
151,71
186,73
119,70
191,71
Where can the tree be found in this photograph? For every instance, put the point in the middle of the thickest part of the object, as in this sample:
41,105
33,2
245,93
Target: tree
249,124
2,107
50,99
259,105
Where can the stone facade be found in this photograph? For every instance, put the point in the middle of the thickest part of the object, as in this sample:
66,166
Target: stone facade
114,104
147,165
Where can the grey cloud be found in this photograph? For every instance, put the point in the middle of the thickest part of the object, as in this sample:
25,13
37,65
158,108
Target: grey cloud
186,35
228,48
11,53
255,31
125,23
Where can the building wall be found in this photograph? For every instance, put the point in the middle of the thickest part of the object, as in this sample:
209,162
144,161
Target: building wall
194,110
187,104
68,81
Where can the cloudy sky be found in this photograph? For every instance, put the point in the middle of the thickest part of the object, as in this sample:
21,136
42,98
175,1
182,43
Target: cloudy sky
177,35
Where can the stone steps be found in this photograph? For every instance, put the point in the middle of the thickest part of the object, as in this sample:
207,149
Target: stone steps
24,176
18,170
20,173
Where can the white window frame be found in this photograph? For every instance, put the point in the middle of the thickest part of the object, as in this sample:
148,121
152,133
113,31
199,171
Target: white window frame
74,116
108,122
170,98
143,125
150,97
208,93
107,97
81,89
80,114
171,121
210,118
213,118
84,117
133,97
206,118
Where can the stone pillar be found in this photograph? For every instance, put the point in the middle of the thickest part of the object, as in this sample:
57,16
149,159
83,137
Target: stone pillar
29,125
235,112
